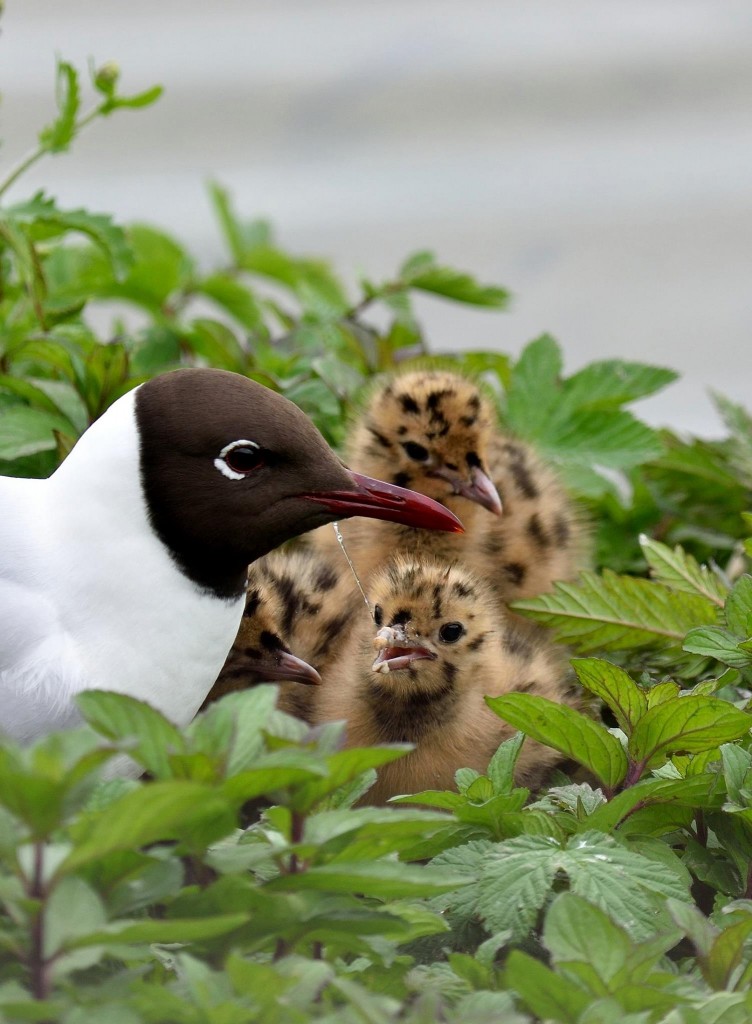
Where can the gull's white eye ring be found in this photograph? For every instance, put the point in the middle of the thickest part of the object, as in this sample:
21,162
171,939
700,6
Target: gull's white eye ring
239,459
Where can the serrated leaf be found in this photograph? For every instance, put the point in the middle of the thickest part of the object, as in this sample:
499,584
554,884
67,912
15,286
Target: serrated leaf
714,642
680,571
57,136
601,438
612,382
567,731
629,886
514,882
614,612
615,688
687,724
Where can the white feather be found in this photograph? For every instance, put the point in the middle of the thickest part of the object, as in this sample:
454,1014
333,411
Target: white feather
90,597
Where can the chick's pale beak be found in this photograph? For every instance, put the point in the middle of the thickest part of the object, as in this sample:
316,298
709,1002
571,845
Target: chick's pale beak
377,499
287,667
396,651
479,488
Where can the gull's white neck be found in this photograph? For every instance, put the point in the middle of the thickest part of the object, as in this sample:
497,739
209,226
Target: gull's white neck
128,619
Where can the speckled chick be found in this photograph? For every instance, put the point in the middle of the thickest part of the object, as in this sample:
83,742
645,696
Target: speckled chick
436,431
298,607
441,645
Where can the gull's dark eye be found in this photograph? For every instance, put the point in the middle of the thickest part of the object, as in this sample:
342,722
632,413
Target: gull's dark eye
244,460
450,632
415,451
239,459
378,615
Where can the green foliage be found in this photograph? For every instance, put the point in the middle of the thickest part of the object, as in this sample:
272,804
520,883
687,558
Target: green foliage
243,881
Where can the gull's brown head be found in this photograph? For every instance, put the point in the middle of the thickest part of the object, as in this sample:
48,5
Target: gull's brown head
231,470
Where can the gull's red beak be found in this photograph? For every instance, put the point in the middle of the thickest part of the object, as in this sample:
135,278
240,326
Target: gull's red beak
376,499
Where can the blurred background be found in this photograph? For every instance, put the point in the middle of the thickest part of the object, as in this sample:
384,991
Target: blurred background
594,156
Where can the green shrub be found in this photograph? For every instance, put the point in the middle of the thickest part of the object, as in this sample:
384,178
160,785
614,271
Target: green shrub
129,902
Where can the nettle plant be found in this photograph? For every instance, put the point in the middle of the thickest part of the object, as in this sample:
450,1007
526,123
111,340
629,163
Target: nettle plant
240,880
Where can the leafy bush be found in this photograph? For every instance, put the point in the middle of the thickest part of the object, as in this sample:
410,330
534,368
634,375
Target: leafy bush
627,898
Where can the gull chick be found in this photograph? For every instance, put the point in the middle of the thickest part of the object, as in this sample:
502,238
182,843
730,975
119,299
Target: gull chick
441,644
435,431
298,609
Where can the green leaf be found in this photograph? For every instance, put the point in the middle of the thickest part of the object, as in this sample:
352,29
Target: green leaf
133,102
615,688
73,910
161,267
26,431
630,885
726,953
714,642
501,766
548,995
534,391
601,438
58,135
234,297
42,210
575,930
680,571
152,813
178,930
567,731
612,382
687,724
215,343
123,718
382,879
453,284
739,607
615,612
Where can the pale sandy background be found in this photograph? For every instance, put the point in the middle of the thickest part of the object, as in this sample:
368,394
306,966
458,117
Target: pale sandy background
594,156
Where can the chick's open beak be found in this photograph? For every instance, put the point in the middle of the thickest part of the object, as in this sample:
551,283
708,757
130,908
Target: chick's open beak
396,651
478,487
377,499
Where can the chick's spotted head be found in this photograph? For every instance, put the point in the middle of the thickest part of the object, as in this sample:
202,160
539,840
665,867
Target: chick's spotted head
432,621
429,430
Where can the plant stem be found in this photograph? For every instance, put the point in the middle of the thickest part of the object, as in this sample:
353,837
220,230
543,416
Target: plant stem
42,150
38,966
636,768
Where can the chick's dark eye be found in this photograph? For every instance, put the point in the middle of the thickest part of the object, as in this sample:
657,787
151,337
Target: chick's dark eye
378,615
415,451
450,632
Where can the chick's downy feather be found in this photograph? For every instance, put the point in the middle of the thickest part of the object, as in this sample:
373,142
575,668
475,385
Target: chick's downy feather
442,643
